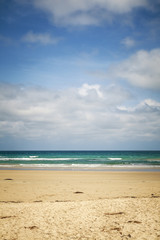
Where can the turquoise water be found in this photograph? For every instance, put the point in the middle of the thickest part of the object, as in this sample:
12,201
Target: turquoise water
79,159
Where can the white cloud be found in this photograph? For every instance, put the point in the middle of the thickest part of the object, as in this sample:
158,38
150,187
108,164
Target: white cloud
42,38
86,89
147,105
76,114
128,42
142,120
85,12
141,69
152,103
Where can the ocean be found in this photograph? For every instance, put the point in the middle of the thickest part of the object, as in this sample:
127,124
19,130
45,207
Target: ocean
81,160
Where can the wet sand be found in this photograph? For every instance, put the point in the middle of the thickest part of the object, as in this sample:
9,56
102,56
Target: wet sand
79,205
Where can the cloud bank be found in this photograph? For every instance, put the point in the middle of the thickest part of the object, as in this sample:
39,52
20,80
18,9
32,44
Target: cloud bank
86,114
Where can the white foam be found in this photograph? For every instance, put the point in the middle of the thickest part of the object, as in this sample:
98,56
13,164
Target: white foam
79,166
38,159
153,160
61,165
115,158
15,159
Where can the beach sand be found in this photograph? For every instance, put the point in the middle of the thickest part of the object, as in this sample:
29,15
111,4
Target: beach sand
36,205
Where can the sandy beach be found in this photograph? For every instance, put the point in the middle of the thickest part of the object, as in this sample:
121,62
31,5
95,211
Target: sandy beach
79,205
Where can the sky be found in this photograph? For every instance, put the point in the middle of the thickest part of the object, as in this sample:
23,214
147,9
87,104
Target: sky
79,75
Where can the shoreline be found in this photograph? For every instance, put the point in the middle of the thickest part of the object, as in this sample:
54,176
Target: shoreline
91,169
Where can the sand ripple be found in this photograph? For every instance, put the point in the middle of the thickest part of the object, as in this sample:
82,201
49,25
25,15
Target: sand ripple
122,218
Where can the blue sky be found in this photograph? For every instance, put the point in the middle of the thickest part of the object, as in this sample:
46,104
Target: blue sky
79,74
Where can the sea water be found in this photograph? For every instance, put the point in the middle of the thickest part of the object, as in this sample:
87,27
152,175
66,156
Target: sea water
79,159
